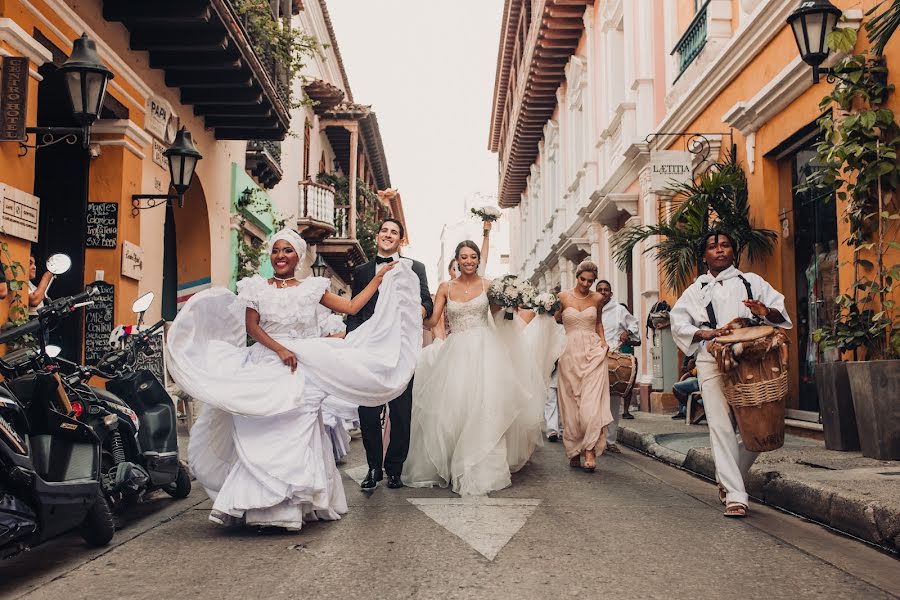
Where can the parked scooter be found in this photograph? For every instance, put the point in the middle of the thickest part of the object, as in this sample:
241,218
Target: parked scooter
141,455
49,461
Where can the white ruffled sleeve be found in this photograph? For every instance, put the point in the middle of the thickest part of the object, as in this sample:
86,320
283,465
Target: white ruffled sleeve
249,290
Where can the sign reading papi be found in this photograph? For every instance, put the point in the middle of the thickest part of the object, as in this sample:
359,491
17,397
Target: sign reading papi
669,168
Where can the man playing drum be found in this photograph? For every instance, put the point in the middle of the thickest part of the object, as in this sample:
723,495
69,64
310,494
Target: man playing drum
619,326
704,312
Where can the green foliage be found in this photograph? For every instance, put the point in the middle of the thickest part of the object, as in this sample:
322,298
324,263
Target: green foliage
284,50
717,200
857,157
366,209
18,308
881,27
250,249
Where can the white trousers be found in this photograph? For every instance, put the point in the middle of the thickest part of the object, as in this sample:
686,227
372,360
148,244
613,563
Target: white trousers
612,430
733,461
551,412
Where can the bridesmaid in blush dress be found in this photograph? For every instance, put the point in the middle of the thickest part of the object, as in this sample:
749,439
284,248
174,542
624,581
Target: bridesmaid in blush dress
583,378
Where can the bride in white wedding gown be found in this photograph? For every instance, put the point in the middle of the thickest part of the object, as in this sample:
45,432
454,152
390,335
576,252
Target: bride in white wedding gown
478,396
259,448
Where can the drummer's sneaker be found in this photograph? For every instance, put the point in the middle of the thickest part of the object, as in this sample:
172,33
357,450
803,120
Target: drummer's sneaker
552,436
613,448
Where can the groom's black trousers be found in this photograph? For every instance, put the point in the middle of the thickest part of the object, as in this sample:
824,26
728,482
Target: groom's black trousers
370,424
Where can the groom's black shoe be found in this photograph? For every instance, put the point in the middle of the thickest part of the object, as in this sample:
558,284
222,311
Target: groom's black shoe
394,482
371,481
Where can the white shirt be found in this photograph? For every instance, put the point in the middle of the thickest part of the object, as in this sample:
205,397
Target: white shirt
727,293
616,319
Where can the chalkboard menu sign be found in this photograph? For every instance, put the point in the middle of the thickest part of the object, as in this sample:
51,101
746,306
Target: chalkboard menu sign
98,322
156,362
102,225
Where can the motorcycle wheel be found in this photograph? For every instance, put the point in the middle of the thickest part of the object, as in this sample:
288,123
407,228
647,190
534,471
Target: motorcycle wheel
181,488
98,526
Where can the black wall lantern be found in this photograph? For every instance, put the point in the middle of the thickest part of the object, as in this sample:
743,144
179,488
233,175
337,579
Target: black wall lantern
811,22
86,79
319,265
182,157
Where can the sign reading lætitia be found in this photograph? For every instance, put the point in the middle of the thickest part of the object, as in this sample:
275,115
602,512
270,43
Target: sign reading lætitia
13,98
102,225
669,168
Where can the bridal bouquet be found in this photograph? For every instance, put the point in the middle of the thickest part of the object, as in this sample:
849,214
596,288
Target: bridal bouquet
486,213
546,303
511,292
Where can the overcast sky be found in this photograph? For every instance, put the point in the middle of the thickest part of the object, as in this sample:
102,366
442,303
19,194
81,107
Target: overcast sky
427,68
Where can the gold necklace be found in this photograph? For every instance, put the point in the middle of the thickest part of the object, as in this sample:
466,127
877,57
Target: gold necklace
580,297
283,282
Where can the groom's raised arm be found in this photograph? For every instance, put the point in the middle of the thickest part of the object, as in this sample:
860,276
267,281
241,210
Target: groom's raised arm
427,303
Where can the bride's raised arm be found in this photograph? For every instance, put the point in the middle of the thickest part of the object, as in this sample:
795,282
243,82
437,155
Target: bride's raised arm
440,300
354,305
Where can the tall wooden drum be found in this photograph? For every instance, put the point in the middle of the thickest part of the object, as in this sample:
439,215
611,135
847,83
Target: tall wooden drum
622,373
753,362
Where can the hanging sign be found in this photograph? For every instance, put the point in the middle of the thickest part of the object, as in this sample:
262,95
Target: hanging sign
19,213
158,156
13,98
132,261
98,322
102,225
160,120
669,168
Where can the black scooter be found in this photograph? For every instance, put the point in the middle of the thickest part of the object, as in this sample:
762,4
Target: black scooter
141,455
49,461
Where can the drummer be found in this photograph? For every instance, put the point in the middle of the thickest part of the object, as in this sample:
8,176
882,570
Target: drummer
702,313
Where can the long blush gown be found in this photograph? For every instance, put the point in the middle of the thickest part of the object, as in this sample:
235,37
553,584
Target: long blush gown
583,382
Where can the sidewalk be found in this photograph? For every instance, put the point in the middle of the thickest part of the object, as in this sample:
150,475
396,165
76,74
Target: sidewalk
856,495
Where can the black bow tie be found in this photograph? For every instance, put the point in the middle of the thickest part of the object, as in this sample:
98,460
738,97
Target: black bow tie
383,259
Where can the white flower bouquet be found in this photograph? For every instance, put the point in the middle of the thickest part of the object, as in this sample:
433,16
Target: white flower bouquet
510,292
546,303
486,213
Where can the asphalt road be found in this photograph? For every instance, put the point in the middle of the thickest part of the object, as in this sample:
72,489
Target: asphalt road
634,529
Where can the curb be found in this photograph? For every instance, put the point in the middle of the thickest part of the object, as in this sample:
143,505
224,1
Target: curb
869,521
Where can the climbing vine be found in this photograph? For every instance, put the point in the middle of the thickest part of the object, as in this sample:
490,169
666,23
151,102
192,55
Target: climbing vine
18,308
249,248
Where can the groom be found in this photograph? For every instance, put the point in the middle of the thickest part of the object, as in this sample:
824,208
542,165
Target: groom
390,235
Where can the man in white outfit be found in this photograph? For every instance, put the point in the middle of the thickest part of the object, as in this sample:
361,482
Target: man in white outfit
551,410
704,312
619,326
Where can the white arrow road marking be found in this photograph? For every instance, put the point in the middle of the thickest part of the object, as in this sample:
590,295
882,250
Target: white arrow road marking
357,473
486,524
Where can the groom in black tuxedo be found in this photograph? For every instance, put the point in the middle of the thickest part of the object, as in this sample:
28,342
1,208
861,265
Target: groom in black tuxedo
390,235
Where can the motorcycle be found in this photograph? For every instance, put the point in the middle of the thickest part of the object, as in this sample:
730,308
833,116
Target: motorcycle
141,455
49,460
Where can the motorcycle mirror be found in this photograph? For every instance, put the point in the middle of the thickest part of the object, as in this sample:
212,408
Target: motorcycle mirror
143,303
59,264
53,351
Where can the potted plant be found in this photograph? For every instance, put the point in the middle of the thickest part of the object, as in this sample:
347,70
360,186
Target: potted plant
858,154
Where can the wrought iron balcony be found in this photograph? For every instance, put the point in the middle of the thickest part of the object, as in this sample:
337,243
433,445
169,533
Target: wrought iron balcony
316,219
264,162
692,42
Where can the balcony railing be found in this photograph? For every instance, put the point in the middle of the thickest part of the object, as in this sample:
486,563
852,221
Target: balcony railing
316,202
342,221
263,48
692,42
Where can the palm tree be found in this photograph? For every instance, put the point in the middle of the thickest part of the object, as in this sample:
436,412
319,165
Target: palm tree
718,200
882,27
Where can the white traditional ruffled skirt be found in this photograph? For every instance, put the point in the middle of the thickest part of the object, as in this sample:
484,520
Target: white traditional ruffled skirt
478,401
259,447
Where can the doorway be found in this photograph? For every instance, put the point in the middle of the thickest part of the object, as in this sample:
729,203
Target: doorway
816,270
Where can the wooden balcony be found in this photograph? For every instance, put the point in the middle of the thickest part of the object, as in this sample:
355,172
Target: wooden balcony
692,41
263,161
206,51
342,251
316,219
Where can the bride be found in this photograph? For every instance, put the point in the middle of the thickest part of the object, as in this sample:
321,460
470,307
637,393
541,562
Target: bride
260,448
477,397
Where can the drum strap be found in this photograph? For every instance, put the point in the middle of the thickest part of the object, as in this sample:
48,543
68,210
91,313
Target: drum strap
712,323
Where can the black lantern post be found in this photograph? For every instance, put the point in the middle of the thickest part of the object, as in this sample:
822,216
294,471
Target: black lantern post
86,79
811,23
319,265
182,157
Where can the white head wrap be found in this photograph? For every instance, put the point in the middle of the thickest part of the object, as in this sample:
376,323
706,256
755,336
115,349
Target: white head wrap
291,237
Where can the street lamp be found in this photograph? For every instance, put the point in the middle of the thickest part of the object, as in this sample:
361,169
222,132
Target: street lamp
811,23
182,157
319,265
86,78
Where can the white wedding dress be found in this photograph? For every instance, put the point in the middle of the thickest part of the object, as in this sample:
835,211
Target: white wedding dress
259,447
478,400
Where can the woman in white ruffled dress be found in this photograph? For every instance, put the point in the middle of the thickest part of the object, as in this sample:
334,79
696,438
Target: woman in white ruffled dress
259,448
478,396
